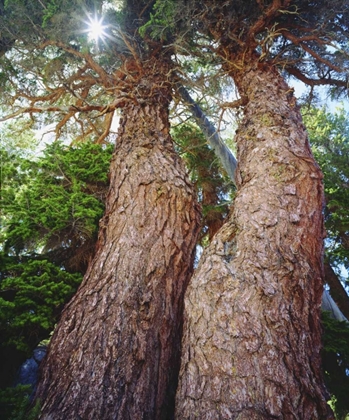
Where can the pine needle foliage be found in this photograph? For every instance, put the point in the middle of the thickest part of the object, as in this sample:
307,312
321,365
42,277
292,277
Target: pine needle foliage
32,295
15,404
215,189
329,137
49,224
161,25
336,363
60,200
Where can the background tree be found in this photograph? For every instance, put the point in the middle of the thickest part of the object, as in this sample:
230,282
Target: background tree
329,136
50,208
213,186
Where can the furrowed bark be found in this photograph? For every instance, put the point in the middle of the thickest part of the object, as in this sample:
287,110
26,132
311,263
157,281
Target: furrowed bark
252,335
115,352
229,163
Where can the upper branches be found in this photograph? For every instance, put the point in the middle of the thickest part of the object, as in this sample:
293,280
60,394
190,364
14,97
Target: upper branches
62,82
51,68
307,39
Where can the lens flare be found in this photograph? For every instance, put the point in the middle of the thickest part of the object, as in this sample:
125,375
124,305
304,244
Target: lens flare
96,29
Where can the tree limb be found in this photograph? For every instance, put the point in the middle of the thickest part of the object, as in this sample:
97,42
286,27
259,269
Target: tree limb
338,292
315,82
273,10
225,155
300,42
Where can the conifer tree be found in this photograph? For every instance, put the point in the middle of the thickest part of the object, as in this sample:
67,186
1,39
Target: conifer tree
50,207
252,335
115,351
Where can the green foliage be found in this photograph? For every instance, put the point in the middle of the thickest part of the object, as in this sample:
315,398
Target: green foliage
15,404
329,137
51,9
18,137
47,15
32,294
161,25
214,188
336,363
59,200
49,223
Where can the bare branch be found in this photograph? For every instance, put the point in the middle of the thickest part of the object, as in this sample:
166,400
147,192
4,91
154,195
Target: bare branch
294,71
107,122
266,17
319,58
106,79
71,110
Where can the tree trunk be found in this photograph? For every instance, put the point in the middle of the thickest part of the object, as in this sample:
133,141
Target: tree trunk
338,293
252,334
115,353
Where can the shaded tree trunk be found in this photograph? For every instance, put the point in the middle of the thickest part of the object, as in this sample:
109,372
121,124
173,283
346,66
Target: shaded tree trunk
338,292
115,352
252,335
222,151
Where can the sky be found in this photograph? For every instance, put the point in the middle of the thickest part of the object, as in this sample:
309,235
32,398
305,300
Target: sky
331,104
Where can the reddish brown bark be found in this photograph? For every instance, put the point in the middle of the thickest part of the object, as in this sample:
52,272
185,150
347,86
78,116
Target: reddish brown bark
115,352
252,336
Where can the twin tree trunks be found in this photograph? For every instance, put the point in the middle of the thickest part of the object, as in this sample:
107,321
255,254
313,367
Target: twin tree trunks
252,338
252,335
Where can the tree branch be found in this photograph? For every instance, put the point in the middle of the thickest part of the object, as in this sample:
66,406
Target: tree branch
225,155
300,42
294,71
70,110
338,292
108,122
264,20
106,79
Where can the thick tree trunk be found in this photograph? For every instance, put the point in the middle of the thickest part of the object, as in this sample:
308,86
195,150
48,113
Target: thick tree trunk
252,334
115,352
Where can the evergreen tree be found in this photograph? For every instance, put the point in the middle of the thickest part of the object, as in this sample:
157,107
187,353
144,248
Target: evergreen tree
329,137
213,186
125,321
121,331
252,334
50,208
328,134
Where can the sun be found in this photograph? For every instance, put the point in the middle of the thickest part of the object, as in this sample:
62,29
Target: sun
96,29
